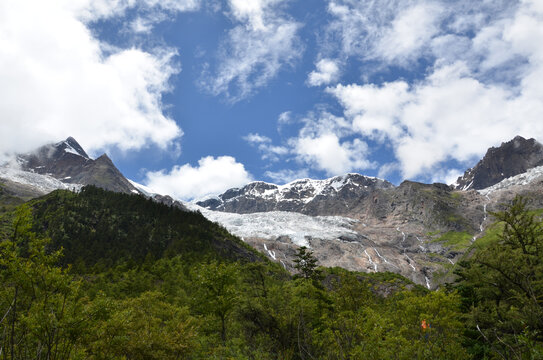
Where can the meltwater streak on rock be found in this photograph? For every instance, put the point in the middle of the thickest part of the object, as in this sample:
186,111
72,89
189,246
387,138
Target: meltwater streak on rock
370,260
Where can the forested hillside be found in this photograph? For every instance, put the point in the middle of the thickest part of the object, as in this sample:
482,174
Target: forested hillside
100,275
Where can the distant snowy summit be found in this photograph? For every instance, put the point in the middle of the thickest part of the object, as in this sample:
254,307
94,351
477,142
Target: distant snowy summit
304,196
510,159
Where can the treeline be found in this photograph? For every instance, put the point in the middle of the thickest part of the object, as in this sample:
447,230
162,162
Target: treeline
196,292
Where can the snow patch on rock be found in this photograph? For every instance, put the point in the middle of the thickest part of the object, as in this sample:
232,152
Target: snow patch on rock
43,183
520,179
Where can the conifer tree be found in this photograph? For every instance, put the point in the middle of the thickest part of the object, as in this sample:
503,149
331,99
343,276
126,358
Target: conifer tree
306,264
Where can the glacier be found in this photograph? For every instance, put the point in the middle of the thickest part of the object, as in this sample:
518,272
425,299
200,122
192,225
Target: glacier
274,224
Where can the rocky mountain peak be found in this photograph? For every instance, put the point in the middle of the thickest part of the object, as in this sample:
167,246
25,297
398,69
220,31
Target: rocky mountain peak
68,162
304,195
509,159
71,144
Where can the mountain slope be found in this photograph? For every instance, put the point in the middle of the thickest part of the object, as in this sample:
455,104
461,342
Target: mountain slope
100,226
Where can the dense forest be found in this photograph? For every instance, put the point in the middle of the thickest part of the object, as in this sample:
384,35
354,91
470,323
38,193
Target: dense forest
102,275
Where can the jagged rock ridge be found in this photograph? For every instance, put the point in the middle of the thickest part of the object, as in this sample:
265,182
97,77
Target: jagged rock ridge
511,158
306,196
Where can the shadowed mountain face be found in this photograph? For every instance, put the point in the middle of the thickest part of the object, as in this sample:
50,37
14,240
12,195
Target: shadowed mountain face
69,163
511,158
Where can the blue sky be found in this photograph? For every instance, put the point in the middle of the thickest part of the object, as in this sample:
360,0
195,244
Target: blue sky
192,97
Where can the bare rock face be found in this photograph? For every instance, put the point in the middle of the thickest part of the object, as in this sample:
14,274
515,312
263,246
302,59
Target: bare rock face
511,158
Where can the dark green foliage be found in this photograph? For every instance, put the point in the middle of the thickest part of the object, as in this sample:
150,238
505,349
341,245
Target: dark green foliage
502,288
100,228
306,264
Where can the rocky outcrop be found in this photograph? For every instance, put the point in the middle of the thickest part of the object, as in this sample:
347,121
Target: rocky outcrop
511,158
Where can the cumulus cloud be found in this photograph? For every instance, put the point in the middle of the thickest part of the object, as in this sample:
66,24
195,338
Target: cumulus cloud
212,176
328,153
286,175
263,42
56,79
326,73
324,142
450,115
409,32
373,110
265,146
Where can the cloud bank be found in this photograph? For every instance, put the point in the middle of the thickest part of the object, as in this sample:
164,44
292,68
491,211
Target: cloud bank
57,79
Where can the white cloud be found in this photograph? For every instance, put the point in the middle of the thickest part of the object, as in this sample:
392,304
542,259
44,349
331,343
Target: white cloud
484,86
390,30
286,175
152,12
212,176
446,176
398,32
326,73
265,146
56,80
323,122
285,118
326,152
252,12
409,32
373,110
255,50
90,10
450,115
141,25
386,169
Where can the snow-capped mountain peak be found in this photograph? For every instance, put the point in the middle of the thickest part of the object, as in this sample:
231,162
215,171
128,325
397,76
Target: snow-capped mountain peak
70,145
299,195
65,165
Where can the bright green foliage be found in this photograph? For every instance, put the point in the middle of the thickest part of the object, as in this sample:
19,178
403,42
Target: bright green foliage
144,327
217,292
41,310
456,240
